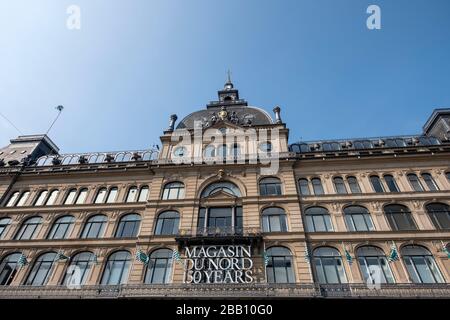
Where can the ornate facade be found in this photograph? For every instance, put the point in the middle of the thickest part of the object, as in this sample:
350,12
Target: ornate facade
343,218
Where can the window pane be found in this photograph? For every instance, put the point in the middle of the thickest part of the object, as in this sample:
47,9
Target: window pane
132,194
112,195
339,185
52,198
304,187
354,186
376,184
415,183
101,196
12,199
71,196
23,199
41,198
81,196
431,184
317,186
143,195
390,181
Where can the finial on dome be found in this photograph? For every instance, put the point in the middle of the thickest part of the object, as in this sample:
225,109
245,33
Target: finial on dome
277,111
228,84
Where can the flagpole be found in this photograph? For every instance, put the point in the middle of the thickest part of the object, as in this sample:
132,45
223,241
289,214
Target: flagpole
308,256
264,259
350,276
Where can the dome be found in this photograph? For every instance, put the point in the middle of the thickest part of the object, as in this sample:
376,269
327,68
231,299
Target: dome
229,107
240,115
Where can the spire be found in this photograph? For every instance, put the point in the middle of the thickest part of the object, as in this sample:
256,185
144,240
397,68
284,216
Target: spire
228,84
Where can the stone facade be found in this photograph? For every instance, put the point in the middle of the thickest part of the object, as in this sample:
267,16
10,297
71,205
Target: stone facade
139,169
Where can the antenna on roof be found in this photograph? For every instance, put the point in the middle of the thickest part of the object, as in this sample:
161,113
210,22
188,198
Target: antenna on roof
60,109
10,122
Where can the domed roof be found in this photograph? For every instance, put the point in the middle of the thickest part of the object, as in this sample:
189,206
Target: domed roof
229,107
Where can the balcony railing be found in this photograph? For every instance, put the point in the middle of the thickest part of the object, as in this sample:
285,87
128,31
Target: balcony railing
219,232
255,290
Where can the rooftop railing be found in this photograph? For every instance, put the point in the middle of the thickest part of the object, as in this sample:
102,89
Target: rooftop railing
227,290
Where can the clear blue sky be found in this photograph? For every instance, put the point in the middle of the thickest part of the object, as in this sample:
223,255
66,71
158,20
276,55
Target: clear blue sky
133,63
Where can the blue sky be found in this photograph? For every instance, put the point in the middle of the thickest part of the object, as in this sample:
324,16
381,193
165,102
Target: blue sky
133,63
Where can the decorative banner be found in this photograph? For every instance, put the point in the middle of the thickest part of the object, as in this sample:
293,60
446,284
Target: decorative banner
61,256
445,249
142,257
266,258
393,255
307,254
22,261
347,254
218,264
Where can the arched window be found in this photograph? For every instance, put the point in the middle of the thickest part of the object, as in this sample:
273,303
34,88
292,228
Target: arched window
132,194
377,185
41,270
265,147
220,220
280,268
23,198
101,195
270,187
159,268
374,265
8,268
173,191
117,268
414,182
40,201
52,197
222,151
274,220
70,198
61,228
339,185
236,150
303,186
12,199
167,223
439,213
28,228
328,265
353,184
82,195
112,195
318,220
429,181
143,194
317,186
94,227
210,151
421,265
79,268
358,219
4,223
225,186
128,226
390,182
399,217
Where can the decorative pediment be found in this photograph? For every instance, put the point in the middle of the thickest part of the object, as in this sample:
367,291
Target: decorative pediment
220,195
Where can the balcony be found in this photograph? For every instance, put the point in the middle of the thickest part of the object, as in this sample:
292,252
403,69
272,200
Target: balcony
217,235
231,291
